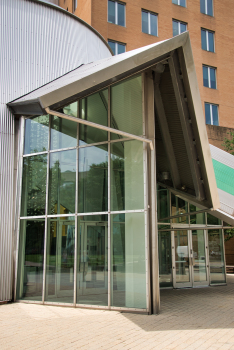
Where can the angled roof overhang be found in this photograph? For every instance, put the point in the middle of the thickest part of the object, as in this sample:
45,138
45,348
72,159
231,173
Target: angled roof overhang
183,156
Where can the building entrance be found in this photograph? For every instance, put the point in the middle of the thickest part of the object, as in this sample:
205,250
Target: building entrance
189,258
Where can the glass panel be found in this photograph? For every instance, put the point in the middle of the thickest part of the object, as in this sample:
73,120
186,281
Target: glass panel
178,207
197,218
165,263
92,260
153,25
112,46
215,115
205,76
126,107
182,256
144,17
36,134
31,257
175,2
63,133
121,48
207,113
127,177
128,260
94,109
121,14
111,11
183,27
34,185
175,25
62,182
163,206
211,41
216,255
212,78
183,3
202,6
212,220
93,179
210,7
199,256
203,39
71,109
60,260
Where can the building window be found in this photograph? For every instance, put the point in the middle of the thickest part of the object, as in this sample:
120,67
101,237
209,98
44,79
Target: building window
209,77
207,39
116,13
178,27
116,47
211,112
179,2
74,5
149,23
206,7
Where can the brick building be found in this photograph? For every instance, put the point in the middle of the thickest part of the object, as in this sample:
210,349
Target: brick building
126,26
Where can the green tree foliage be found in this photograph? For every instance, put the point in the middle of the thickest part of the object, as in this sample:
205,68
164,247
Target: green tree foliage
229,143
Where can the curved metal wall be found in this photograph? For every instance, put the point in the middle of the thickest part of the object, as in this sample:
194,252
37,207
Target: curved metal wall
39,43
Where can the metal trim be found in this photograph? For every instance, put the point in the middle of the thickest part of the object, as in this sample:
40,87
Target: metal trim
98,126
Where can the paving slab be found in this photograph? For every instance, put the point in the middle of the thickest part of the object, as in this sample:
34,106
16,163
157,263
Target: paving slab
199,318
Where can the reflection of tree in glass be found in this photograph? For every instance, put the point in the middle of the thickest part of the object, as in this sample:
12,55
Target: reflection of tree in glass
34,185
62,190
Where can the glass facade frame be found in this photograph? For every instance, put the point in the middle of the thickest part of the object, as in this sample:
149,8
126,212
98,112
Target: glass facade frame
74,216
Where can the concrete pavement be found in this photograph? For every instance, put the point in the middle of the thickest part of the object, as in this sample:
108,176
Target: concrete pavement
201,318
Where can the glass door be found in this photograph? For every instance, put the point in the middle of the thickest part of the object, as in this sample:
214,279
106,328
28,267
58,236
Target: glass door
182,269
190,256
92,264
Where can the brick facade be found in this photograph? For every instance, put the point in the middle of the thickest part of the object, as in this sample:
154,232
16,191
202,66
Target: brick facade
95,13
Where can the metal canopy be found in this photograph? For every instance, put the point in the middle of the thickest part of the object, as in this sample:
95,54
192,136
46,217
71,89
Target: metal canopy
183,156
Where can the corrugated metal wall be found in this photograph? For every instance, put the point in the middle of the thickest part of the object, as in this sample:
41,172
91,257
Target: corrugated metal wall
38,44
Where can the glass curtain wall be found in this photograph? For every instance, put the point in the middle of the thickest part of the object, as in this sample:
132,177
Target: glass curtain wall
82,233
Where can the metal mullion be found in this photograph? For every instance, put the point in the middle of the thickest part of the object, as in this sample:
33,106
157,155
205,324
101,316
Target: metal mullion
209,82
76,208
34,154
60,215
32,217
207,41
206,7
149,23
93,144
211,115
128,211
109,202
19,190
62,149
116,12
46,213
93,213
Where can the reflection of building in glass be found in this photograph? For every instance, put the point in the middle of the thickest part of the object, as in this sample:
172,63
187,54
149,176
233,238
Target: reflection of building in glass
117,199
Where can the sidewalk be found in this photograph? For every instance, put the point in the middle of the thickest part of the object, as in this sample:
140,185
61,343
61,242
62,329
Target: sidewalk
201,318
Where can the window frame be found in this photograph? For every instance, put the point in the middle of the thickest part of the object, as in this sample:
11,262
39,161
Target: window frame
116,45
116,12
206,8
207,31
180,4
211,113
75,5
149,21
209,80
180,22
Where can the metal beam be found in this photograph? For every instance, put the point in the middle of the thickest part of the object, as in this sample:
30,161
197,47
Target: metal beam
166,136
101,127
186,126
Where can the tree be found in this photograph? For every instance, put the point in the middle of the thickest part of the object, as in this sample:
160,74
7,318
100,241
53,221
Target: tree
229,144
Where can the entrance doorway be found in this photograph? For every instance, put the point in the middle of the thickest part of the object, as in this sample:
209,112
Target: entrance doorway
189,258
